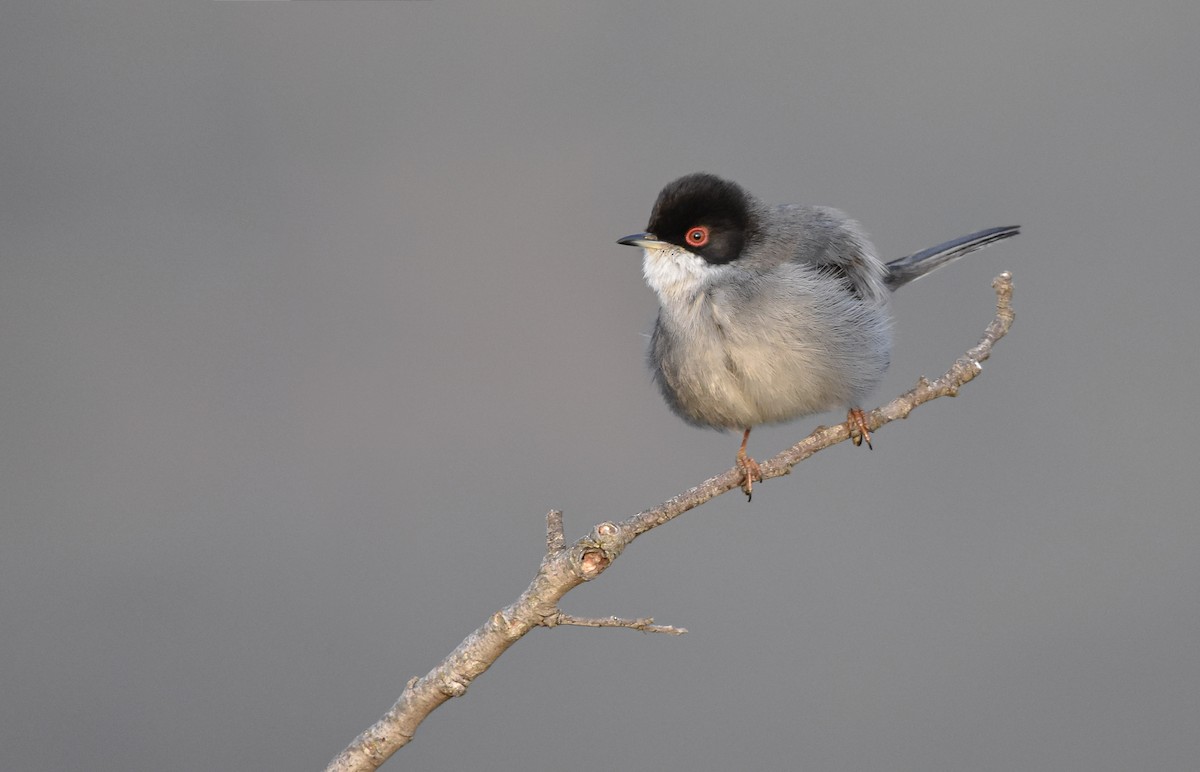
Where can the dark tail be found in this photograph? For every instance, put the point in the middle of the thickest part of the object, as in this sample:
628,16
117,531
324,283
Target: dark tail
906,269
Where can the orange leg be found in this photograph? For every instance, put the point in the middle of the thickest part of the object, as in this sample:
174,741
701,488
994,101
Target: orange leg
749,467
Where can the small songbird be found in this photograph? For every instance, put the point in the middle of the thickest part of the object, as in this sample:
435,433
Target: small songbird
770,313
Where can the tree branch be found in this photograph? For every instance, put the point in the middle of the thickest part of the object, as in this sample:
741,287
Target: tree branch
566,567
646,625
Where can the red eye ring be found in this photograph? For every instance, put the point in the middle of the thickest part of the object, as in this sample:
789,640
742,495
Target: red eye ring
697,236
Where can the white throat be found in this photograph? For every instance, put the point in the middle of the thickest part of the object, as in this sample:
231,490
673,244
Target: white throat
677,275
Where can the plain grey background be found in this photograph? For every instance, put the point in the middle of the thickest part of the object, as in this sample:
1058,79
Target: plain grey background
310,311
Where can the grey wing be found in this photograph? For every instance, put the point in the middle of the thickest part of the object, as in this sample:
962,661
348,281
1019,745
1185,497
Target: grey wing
837,246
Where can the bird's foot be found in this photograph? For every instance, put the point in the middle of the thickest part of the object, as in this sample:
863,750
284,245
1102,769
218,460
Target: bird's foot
750,473
858,427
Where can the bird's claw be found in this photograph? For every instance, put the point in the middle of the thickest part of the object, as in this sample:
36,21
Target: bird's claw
751,472
858,427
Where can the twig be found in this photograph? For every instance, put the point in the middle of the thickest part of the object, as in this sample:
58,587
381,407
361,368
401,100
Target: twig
564,568
646,625
555,540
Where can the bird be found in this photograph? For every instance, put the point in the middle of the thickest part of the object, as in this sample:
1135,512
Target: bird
768,313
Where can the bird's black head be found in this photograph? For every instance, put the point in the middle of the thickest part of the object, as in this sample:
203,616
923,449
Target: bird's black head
704,214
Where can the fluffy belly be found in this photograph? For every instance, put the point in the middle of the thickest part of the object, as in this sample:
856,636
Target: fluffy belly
748,386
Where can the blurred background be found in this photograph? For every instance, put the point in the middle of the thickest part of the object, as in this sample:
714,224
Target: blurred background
310,311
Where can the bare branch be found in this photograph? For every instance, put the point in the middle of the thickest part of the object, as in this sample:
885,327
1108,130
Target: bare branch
646,625
564,568
555,540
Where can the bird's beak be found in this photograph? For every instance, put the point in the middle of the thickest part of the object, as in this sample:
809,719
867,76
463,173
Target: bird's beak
643,240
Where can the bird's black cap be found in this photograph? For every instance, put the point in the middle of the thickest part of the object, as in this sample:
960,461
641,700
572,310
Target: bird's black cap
720,209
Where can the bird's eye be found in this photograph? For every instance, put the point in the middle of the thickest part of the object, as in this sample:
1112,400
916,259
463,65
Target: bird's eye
697,237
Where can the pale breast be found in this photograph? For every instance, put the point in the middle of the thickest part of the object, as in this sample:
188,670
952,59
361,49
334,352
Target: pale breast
765,359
